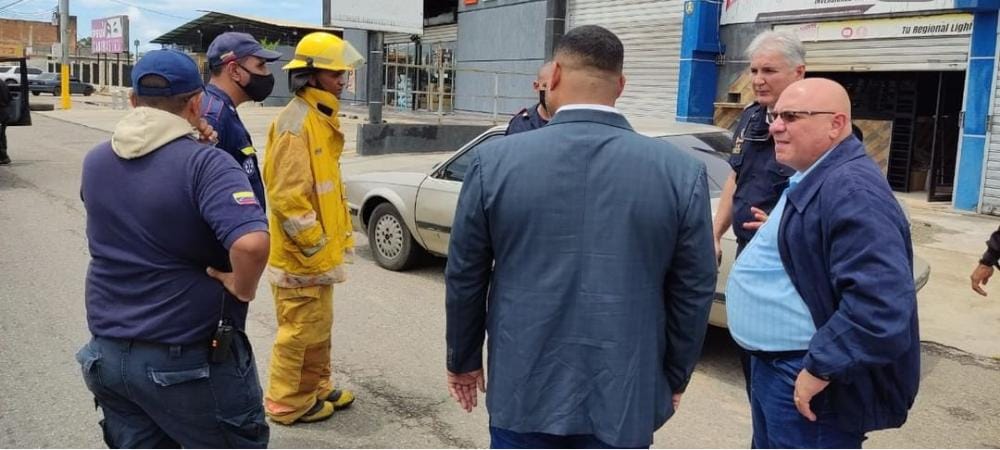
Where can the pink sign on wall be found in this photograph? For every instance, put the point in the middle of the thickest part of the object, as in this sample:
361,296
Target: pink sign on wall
109,35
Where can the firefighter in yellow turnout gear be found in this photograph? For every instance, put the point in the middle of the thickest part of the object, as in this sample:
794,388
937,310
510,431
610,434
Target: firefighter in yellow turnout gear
311,230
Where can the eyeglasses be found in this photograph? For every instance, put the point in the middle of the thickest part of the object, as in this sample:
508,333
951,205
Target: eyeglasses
792,116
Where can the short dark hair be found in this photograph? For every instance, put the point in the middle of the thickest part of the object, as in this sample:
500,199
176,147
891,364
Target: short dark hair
594,47
217,70
172,104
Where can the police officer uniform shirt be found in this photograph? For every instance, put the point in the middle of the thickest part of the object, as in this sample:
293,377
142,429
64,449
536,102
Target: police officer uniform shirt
220,112
526,119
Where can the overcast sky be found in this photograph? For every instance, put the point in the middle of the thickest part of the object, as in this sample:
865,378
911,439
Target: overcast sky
150,19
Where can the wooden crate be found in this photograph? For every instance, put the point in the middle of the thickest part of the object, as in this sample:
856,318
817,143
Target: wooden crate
878,136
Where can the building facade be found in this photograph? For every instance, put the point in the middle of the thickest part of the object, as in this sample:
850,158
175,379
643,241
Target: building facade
36,38
920,75
489,55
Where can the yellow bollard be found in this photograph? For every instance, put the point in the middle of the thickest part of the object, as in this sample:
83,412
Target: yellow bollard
64,87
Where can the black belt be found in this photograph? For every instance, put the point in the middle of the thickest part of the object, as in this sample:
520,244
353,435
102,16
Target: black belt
771,356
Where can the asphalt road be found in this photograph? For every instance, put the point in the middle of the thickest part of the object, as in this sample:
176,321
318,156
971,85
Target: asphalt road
387,341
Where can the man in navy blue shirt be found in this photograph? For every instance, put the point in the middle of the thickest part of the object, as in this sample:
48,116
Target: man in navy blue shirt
178,242
538,115
239,74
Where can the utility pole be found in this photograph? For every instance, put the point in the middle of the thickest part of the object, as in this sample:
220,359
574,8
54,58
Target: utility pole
64,40
375,77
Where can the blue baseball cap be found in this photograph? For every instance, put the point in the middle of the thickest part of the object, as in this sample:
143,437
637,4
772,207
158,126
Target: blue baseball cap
232,45
178,69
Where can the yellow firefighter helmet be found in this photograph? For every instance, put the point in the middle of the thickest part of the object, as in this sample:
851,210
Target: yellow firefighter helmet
321,50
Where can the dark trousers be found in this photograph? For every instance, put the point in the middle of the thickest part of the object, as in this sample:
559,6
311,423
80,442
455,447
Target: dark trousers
776,421
500,438
169,396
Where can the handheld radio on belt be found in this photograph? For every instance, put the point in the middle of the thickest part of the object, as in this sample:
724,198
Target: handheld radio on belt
223,337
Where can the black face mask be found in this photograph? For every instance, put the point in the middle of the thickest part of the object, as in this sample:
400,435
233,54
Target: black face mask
259,86
541,100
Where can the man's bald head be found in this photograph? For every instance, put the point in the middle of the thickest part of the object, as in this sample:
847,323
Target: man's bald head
824,94
812,117
541,82
546,70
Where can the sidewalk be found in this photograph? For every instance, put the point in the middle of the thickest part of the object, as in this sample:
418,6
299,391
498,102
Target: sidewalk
95,112
951,242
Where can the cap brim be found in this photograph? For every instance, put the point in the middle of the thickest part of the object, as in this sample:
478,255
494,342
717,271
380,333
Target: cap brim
266,55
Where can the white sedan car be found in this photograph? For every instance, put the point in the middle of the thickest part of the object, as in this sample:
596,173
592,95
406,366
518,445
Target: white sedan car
408,215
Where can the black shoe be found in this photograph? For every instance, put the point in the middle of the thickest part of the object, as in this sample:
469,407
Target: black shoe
4,161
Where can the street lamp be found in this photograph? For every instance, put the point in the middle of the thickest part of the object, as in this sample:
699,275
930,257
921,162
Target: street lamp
136,43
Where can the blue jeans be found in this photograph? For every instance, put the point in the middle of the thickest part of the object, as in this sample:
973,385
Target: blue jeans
169,396
776,421
500,438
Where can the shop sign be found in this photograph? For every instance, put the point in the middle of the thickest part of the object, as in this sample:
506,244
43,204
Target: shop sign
745,11
900,27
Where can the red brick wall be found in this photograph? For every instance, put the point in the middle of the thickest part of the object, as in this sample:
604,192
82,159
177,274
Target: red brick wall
41,34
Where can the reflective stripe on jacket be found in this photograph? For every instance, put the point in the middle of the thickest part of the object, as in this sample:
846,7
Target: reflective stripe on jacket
309,221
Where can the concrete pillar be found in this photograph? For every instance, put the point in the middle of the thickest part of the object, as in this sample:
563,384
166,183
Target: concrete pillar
700,46
975,125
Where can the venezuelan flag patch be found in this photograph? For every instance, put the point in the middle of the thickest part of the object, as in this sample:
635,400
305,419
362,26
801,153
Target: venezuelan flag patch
244,198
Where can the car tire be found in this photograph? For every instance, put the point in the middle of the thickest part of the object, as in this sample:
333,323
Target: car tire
392,245
57,91
36,93
86,94
10,81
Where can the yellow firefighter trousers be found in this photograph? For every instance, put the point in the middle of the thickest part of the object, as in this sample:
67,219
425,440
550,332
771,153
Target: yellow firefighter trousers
300,359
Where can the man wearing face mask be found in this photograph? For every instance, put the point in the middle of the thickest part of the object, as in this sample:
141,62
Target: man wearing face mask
312,230
537,116
239,74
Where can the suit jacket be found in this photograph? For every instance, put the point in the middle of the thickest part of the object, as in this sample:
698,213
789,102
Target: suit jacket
584,250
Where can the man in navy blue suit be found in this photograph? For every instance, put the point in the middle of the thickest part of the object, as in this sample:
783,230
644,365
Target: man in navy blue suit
584,250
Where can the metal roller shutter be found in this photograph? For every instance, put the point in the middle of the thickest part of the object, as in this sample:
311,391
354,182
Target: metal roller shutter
650,31
897,54
991,183
432,35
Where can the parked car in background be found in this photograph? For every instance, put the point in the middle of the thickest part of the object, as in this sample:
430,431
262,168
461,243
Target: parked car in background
50,83
12,74
409,214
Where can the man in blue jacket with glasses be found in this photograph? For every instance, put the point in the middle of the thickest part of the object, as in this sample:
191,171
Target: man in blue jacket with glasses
823,297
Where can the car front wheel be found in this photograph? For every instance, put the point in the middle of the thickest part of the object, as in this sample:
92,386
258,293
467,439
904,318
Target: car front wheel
391,242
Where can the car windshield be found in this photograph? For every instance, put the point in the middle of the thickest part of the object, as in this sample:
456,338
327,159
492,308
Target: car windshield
713,150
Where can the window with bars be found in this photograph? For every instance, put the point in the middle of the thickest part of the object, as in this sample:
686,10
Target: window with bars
419,76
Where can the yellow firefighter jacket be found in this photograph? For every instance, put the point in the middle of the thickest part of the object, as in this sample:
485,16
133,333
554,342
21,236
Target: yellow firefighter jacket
308,216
